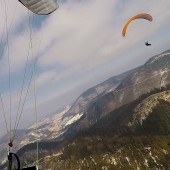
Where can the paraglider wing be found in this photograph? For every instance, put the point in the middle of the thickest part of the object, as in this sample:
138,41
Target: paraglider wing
41,7
138,16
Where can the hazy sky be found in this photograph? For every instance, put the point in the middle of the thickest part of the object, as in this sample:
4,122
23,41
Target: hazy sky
78,46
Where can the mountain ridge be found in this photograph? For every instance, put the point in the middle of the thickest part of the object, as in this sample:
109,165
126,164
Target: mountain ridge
141,81
116,92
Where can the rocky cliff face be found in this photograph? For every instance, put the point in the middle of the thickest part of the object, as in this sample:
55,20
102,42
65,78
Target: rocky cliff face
142,110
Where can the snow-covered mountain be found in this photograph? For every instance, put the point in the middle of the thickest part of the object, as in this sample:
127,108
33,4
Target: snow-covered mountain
48,128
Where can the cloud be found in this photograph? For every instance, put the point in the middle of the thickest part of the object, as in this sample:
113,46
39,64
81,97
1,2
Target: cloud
45,78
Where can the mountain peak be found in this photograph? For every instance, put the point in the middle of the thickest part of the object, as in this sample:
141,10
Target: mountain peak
158,57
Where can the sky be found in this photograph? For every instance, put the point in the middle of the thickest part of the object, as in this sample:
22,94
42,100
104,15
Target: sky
76,47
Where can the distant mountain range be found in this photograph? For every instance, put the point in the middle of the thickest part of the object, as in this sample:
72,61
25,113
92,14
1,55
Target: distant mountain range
48,128
125,105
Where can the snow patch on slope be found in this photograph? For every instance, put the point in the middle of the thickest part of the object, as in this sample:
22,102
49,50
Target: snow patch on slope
74,118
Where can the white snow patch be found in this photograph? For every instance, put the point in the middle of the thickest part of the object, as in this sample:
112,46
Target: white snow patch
127,158
24,142
138,168
104,168
93,160
74,118
150,153
146,163
121,97
55,119
113,161
4,161
165,152
147,148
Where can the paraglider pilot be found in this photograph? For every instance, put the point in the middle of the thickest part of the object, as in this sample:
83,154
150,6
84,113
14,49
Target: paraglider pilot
147,44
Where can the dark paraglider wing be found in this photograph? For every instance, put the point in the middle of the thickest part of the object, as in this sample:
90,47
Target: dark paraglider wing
40,7
138,16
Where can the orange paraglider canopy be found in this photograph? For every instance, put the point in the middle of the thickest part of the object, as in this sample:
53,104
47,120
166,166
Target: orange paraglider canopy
138,16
